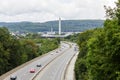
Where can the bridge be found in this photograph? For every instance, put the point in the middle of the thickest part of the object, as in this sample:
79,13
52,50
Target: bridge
65,34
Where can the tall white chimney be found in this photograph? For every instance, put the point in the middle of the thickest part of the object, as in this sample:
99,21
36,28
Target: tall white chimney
59,26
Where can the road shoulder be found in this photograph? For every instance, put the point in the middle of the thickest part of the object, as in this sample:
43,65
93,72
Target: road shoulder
69,75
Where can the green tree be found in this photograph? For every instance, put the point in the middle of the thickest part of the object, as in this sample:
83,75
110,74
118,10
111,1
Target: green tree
114,13
14,51
101,57
31,49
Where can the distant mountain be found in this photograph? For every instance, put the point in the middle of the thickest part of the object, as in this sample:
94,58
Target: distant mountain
67,25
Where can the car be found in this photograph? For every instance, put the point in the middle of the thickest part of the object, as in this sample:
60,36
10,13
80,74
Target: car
13,77
32,70
38,65
51,53
60,50
75,49
56,51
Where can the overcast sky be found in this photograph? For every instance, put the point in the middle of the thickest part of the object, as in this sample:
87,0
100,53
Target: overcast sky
46,10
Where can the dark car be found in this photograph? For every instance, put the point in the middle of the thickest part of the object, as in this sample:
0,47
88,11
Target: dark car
13,77
56,51
38,65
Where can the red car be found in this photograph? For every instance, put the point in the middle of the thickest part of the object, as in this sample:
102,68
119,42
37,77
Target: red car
32,70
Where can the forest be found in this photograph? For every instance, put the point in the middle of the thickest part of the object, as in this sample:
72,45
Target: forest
99,56
15,50
67,26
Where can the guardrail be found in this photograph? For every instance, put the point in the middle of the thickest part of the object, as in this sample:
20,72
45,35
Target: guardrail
2,77
49,63
66,69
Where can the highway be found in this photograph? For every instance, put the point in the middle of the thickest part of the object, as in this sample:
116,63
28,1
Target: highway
53,65
56,69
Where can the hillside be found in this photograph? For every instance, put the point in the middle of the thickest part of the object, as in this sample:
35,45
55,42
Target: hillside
67,25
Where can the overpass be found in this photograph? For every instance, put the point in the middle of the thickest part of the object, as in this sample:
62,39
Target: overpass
58,36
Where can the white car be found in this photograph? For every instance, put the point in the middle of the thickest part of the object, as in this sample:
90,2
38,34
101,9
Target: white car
51,53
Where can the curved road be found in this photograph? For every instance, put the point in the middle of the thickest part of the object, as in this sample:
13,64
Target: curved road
56,69
53,65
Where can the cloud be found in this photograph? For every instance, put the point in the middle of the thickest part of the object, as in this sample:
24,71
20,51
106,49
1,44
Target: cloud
43,10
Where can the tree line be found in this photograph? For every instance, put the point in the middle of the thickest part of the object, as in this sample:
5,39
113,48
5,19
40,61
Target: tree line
16,51
67,25
99,57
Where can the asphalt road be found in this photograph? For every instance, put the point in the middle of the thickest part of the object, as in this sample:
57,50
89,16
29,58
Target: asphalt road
56,69
65,52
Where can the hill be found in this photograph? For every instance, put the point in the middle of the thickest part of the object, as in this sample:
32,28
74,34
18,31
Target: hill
67,25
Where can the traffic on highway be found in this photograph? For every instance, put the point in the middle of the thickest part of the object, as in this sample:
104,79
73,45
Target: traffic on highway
52,66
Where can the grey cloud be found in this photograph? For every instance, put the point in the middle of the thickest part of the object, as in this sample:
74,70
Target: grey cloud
12,10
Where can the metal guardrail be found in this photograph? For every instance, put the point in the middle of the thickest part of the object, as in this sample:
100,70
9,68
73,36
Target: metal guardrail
65,73
49,63
2,77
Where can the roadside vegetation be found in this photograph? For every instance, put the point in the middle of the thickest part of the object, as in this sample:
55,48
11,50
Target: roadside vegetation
99,57
72,38
15,51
